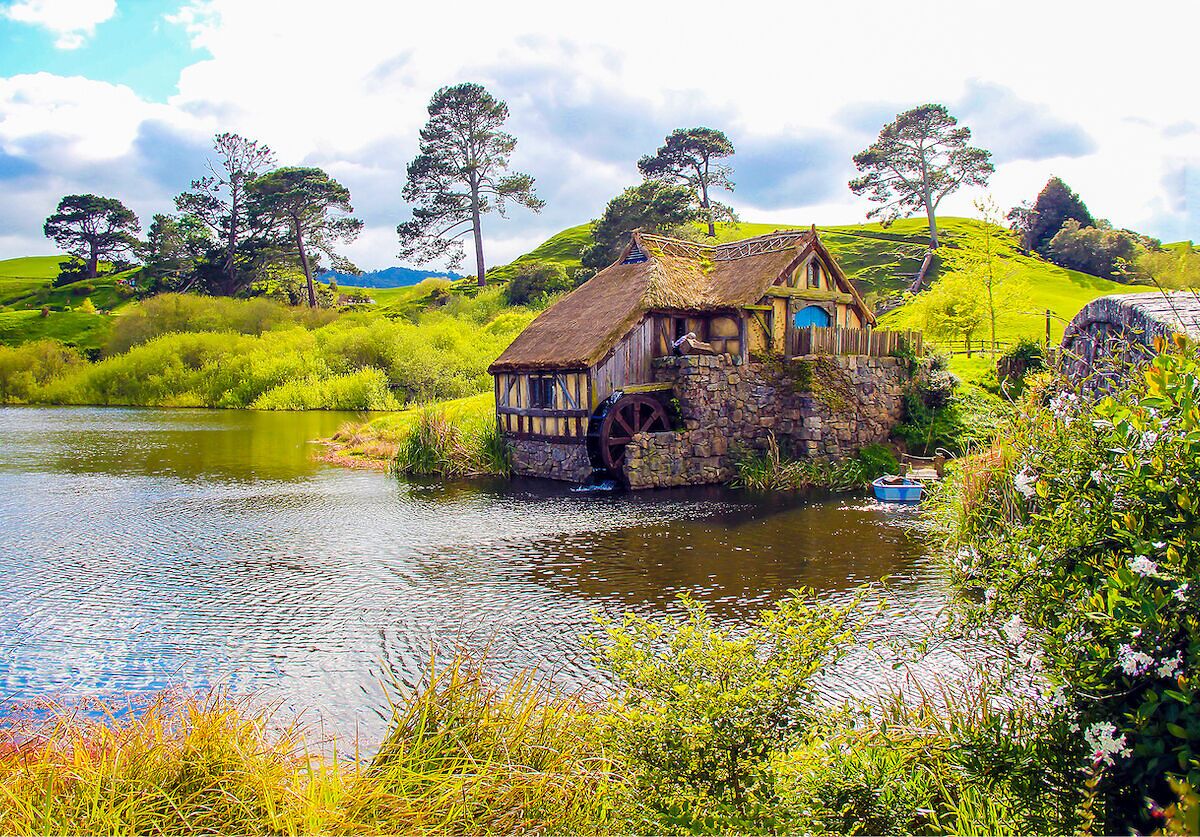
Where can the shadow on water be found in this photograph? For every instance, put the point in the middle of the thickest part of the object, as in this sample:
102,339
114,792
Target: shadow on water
142,548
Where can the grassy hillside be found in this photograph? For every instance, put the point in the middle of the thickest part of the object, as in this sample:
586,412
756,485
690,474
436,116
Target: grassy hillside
29,283
565,248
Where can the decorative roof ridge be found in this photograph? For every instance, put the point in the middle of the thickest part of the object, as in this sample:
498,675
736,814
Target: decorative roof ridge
729,251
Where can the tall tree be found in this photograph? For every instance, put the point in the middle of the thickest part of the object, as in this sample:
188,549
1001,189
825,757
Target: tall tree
652,206
690,156
918,159
91,228
309,208
219,198
459,175
1055,205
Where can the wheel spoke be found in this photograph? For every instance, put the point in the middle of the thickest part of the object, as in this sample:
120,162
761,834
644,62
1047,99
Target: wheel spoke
622,421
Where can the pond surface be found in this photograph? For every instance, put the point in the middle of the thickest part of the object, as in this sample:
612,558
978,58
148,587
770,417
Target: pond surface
147,548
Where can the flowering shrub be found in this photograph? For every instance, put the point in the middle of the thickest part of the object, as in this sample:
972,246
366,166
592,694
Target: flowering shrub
1080,533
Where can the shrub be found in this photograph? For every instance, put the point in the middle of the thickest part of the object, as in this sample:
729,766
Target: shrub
1082,529
25,368
535,281
87,306
878,460
702,711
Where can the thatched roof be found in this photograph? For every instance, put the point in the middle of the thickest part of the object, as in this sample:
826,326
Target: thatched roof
580,329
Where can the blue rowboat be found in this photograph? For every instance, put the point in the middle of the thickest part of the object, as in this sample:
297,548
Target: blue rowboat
893,489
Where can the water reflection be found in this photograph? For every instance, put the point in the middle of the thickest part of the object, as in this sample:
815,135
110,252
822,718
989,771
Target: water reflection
141,548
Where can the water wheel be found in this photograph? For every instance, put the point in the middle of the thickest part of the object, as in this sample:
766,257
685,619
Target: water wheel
617,422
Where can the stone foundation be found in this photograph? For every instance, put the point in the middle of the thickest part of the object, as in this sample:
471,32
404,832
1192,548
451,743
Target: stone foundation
827,407
550,460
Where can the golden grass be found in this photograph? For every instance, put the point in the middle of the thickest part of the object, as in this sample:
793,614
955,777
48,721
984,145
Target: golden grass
462,757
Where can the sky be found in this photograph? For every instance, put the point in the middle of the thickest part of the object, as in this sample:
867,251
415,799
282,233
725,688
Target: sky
123,97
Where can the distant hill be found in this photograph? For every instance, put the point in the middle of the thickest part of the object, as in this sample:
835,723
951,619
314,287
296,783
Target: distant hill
389,277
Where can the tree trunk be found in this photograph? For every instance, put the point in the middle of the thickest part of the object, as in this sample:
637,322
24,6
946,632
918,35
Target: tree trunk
231,242
477,227
706,204
93,264
312,289
933,237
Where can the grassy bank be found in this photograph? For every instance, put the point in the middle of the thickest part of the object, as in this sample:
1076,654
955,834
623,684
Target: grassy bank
709,730
450,438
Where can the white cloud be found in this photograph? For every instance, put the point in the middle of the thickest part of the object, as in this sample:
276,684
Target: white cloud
72,21
345,86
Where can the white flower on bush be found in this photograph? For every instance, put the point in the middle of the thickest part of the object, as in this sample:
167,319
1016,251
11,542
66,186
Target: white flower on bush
1104,743
1171,667
1098,477
1015,629
1024,482
989,595
1132,661
1143,566
1181,592
1148,439
1065,406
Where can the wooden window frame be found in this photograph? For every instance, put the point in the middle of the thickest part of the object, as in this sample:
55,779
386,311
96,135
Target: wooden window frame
814,275
543,391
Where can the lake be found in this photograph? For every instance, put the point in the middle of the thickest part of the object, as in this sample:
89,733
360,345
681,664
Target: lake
141,549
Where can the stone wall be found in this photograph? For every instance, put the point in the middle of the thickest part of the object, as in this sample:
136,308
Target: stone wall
1113,334
827,407
551,460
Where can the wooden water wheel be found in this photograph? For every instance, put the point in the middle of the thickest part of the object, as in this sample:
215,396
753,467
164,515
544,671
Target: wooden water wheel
621,421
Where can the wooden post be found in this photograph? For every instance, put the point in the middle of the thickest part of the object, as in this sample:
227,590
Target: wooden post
1047,326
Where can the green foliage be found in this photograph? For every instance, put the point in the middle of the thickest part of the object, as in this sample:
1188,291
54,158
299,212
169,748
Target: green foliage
535,282
23,369
690,156
918,159
653,206
967,420
1055,205
258,353
441,444
1174,267
92,228
703,710
1083,525
1099,250
771,470
878,460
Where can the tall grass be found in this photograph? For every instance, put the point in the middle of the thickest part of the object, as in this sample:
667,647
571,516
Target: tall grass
437,444
770,470
462,757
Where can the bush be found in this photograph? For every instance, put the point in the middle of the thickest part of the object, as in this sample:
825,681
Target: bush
878,460
436,444
26,368
703,711
535,281
1081,530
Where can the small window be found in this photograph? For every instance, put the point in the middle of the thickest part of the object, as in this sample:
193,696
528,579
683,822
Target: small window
541,392
814,274
681,328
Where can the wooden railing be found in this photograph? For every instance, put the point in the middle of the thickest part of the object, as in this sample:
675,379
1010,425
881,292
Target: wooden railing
833,340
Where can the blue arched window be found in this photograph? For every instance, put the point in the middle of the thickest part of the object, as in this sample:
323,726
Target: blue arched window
812,316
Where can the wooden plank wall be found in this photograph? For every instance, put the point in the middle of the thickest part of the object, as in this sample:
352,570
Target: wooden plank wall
629,362
567,421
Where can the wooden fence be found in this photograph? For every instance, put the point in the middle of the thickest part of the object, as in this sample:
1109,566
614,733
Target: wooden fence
833,340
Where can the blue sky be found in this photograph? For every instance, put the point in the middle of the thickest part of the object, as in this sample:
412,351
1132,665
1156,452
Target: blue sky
122,97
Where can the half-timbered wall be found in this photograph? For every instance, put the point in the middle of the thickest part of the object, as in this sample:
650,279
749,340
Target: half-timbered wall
567,418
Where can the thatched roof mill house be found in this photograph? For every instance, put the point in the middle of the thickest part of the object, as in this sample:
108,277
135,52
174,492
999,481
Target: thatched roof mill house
583,379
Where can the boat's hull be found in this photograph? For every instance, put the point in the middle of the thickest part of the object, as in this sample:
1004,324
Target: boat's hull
906,492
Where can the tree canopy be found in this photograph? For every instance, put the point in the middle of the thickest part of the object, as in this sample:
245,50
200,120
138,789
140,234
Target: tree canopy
219,200
311,210
652,206
92,228
690,157
459,175
918,159
1039,223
